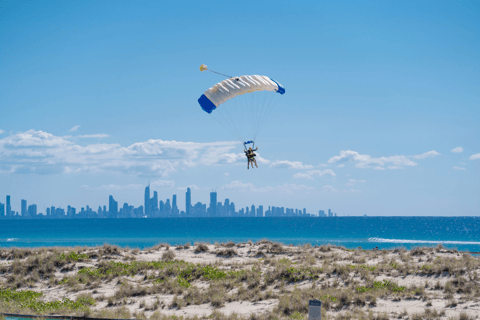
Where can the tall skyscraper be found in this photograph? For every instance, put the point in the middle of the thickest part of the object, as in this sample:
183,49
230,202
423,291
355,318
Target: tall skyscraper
188,201
174,204
147,200
2,210
112,206
32,210
154,201
24,208
330,213
8,208
213,204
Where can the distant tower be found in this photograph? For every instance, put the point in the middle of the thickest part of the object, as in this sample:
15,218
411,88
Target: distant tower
8,208
155,201
112,206
24,208
213,204
188,201
174,204
147,200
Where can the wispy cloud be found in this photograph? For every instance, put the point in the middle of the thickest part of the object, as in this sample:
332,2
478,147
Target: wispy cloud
367,161
120,187
314,173
290,165
163,184
457,150
238,185
74,128
353,181
429,154
475,156
98,135
458,168
1,131
329,188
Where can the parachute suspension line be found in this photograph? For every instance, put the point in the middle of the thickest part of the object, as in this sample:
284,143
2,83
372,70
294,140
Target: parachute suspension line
225,75
269,110
224,126
269,102
228,121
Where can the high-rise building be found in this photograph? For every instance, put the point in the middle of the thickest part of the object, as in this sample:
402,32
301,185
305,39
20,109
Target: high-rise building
174,204
8,207
162,206
147,200
32,210
2,210
188,201
213,204
260,211
330,213
24,208
154,202
321,213
112,206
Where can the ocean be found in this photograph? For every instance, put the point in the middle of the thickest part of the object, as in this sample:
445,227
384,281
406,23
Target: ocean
461,233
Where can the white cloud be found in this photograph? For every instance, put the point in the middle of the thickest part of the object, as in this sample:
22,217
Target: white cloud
353,191
329,188
395,167
120,187
366,161
458,168
285,188
163,184
290,165
1,131
41,152
428,154
98,135
341,165
353,181
310,174
475,156
457,150
74,128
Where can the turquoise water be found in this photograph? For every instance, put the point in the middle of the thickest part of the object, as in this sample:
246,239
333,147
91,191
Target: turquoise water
462,233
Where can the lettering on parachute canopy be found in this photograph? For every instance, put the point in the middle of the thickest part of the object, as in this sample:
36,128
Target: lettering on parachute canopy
314,310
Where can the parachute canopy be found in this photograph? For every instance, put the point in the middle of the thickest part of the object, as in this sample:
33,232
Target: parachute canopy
233,87
241,104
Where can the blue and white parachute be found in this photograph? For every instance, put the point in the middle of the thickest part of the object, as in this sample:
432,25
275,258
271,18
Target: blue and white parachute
241,104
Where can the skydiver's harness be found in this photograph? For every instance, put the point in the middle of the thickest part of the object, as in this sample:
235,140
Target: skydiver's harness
250,155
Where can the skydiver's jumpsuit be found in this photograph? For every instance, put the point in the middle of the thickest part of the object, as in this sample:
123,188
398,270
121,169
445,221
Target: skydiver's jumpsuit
251,157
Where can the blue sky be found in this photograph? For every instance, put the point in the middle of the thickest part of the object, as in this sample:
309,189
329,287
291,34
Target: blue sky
97,97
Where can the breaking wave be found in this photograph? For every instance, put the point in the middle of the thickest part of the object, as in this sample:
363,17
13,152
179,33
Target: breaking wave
420,241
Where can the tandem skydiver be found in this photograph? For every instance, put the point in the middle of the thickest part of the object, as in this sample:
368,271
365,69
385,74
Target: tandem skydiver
251,157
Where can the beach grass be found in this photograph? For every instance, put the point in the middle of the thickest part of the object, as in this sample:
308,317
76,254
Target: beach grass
231,280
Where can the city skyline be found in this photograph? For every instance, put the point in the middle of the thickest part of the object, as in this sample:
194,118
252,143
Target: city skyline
155,208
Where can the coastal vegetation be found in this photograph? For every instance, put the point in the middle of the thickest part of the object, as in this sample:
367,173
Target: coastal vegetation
262,280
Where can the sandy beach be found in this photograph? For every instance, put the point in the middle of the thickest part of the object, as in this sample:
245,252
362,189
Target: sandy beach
261,280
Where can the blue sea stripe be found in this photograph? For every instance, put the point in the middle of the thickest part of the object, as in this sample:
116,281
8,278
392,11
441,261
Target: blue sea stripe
206,104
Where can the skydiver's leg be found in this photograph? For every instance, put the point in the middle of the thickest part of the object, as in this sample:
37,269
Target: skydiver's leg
254,161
